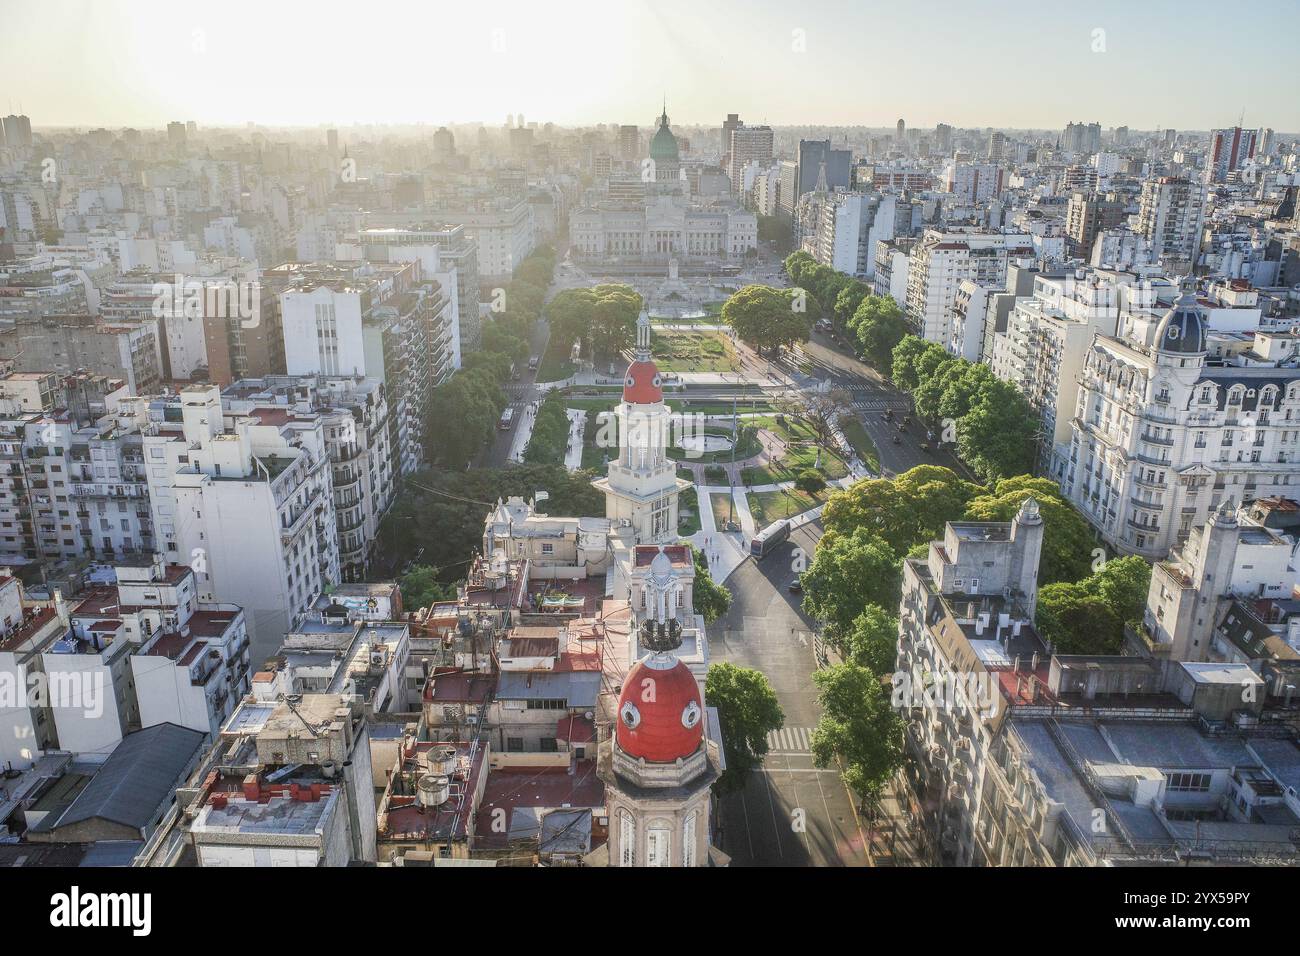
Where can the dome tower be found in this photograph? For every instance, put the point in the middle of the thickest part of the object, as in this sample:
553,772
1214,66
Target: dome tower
658,766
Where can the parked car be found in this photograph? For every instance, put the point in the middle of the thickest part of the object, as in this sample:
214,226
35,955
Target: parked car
796,586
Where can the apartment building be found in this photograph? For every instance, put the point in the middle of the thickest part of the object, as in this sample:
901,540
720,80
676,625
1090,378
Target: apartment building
1171,213
248,502
971,183
356,422
1163,433
1019,756
76,343
378,321
940,260
449,259
1087,215
1226,595
188,661
747,144
503,235
1230,150
848,228
270,794
1048,334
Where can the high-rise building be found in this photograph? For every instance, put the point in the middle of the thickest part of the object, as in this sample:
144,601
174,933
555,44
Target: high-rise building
1229,150
1170,215
943,139
940,260
817,157
1086,215
732,122
1160,436
17,130
749,144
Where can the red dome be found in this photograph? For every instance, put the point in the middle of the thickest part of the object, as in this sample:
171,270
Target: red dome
660,716
641,384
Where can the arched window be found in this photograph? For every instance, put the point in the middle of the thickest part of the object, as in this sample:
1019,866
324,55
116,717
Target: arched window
658,844
626,839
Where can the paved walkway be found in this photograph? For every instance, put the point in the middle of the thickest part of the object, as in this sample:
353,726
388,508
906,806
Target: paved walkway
577,426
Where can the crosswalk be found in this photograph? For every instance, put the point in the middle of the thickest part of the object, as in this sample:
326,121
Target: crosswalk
880,404
790,740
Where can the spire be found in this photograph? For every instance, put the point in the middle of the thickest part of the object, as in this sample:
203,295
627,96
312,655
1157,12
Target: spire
821,186
643,336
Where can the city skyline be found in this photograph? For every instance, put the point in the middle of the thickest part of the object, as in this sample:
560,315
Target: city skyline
830,64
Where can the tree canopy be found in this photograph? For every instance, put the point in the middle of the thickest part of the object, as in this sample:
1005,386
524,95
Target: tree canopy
748,711
711,598
848,572
766,318
1067,539
859,727
603,317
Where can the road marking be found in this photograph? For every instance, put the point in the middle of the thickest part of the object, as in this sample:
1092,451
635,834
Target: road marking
790,740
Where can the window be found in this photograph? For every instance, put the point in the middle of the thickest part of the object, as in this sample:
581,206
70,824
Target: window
626,839
658,845
548,549
688,839
515,744
1188,782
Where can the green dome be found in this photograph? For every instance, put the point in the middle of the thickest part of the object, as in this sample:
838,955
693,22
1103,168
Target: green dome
663,147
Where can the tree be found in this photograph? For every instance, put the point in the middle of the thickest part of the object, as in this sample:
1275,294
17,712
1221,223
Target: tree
848,302
766,318
872,641
906,355
1067,539
1123,583
711,598
603,316
810,480
848,572
820,411
796,264
748,711
1077,622
859,727
420,587
997,438
905,511
440,514
462,415
775,230
550,438
880,326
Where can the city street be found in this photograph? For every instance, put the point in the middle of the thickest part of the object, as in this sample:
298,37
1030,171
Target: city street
790,813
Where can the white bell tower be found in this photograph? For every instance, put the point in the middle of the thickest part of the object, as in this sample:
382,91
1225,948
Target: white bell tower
641,485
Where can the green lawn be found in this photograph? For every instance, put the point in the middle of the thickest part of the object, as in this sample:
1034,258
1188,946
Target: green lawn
694,352
722,510
863,446
688,523
769,506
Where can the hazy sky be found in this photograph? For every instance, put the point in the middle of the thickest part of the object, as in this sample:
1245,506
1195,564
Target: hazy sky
1186,64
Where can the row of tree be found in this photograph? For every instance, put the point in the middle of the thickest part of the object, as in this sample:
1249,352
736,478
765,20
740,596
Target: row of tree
439,514
550,438
994,427
464,410
874,322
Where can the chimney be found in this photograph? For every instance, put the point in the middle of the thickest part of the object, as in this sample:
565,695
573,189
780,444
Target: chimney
252,788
